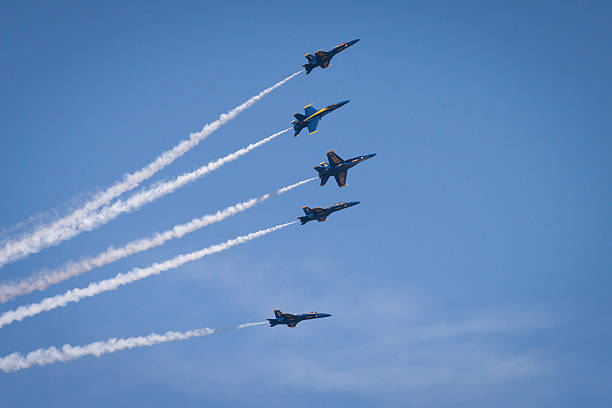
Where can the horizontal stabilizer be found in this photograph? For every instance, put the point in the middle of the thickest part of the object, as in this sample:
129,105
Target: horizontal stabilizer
308,68
297,127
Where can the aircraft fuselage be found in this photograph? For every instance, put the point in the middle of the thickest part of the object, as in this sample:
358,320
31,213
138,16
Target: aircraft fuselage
340,168
312,117
321,214
292,320
323,58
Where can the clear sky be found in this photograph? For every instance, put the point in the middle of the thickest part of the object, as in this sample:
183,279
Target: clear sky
475,272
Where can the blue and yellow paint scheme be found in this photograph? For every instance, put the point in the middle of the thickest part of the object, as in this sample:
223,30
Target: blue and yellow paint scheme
292,320
338,167
321,214
323,58
312,116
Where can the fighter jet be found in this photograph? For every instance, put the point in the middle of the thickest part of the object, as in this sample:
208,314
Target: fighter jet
320,214
292,320
338,167
323,58
312,117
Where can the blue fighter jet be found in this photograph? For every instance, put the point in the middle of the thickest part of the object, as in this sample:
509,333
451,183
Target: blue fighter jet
323,58
292,320
338,167
312,117
321,214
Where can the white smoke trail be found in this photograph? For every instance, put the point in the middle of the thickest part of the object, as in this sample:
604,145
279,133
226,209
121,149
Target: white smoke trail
46,236
17,361
75,295
45,279
94,219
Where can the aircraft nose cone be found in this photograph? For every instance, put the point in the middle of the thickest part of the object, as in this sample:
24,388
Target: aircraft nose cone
353,203
369,156
353,42
343,103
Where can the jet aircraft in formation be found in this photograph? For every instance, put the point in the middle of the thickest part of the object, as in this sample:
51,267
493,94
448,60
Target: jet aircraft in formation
312,117
338,167
323,58
321,214
292,320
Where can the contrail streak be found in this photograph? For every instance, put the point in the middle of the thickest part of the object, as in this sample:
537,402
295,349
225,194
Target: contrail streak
93,220
95,288
17,361
48,235
45,279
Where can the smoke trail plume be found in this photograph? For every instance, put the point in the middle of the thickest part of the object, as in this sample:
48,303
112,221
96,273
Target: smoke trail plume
45,279
48,235
17,361
94,219
75,295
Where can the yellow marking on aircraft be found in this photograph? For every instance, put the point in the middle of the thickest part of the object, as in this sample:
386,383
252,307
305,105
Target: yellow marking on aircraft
331,150
314,114
307,106
312,133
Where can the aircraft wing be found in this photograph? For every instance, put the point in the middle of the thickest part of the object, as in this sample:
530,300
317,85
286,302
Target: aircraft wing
333,158
321,54
291,324
341,179
317,210
325,64
312,125
310,110
322,219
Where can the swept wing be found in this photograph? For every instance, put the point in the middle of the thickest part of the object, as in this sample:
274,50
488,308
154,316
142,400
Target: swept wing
341,179
333,158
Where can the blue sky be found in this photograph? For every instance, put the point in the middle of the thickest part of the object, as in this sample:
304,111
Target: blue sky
475,271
